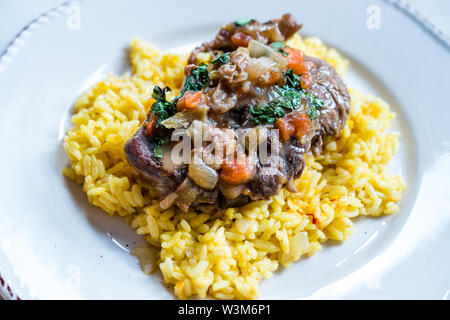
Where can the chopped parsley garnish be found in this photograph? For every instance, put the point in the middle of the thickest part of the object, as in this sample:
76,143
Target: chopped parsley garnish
242,22
197,80
284,53
291,96
162,108
292,80
222,59
315,105
157,149
279,45
267,114
270,112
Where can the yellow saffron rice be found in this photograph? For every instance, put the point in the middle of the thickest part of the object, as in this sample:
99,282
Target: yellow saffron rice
225,255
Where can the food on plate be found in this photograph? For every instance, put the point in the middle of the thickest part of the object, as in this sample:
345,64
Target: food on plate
253,84
239,227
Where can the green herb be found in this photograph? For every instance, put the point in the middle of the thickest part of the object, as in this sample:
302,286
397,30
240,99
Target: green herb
162,108
197,80
292,80
242,22
159,141
268,113
222,59
157,151
290,97
279,45
315,104
284,53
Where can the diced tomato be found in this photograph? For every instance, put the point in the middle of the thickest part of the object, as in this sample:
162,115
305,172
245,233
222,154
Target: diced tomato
190,100
295,124
301,123
305,80
285,127
237,171
297,64
295,59
274,77
240,39
150,127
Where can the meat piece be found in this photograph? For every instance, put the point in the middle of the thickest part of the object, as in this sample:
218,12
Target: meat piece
294,159
327,85
221,100
240,201
267,181
288,25
139,153
234,72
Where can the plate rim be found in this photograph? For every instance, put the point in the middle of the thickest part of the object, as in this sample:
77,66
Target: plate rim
6,57
17,42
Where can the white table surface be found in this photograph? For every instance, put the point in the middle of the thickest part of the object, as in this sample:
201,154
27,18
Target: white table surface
15,14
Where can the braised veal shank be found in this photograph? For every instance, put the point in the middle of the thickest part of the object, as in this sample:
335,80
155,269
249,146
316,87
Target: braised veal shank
254,81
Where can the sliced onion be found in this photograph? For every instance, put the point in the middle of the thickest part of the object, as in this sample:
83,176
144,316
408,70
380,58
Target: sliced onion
187,192
168,201
273,34
184,118
231,191
259,67
202,174
257,49
146,257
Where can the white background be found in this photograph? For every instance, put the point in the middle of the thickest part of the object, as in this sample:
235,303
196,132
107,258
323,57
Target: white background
15,14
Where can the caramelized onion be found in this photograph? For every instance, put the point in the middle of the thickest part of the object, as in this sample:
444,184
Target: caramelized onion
184,118
202,174
168,201
187,192
231,191
257,49
260,67
273,34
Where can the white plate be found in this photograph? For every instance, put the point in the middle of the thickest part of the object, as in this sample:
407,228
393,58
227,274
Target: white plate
53,244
